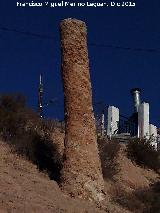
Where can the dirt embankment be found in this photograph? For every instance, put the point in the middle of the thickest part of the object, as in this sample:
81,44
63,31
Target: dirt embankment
24,189
132,187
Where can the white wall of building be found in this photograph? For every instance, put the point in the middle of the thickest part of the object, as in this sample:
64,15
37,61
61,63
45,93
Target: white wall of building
143,121
153,135
113,120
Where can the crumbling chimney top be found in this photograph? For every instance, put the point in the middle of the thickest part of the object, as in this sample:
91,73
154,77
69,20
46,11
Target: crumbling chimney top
72,20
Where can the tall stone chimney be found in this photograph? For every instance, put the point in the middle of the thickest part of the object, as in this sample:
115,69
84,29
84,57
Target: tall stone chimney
81,173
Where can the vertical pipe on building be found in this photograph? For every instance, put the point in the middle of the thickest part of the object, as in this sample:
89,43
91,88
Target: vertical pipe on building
136,98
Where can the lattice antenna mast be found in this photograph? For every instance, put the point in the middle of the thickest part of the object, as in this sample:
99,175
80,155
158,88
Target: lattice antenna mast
40,97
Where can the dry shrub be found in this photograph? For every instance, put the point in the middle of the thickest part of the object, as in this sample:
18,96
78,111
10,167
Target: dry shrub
41,151
155,204
108,151
127,200
29,135
143,200
144,154
14,115
47,157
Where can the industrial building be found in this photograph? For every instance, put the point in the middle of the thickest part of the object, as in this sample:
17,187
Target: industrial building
137,125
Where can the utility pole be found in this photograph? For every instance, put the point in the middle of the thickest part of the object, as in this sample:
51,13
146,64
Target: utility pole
40,97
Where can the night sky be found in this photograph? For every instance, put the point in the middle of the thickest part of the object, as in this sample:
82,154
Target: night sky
124,52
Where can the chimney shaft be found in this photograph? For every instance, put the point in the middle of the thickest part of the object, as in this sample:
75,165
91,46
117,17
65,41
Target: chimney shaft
136,98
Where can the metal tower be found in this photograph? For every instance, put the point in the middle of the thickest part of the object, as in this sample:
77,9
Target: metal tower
40,97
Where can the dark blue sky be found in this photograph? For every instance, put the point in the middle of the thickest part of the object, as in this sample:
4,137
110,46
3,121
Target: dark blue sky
114,71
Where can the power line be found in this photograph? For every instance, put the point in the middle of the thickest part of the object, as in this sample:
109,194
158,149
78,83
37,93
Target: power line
126,48
26,33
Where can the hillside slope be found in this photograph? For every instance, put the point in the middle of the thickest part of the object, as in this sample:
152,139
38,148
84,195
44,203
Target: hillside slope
132,186
24,189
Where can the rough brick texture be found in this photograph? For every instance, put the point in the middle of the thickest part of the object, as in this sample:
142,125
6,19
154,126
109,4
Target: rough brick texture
81,174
